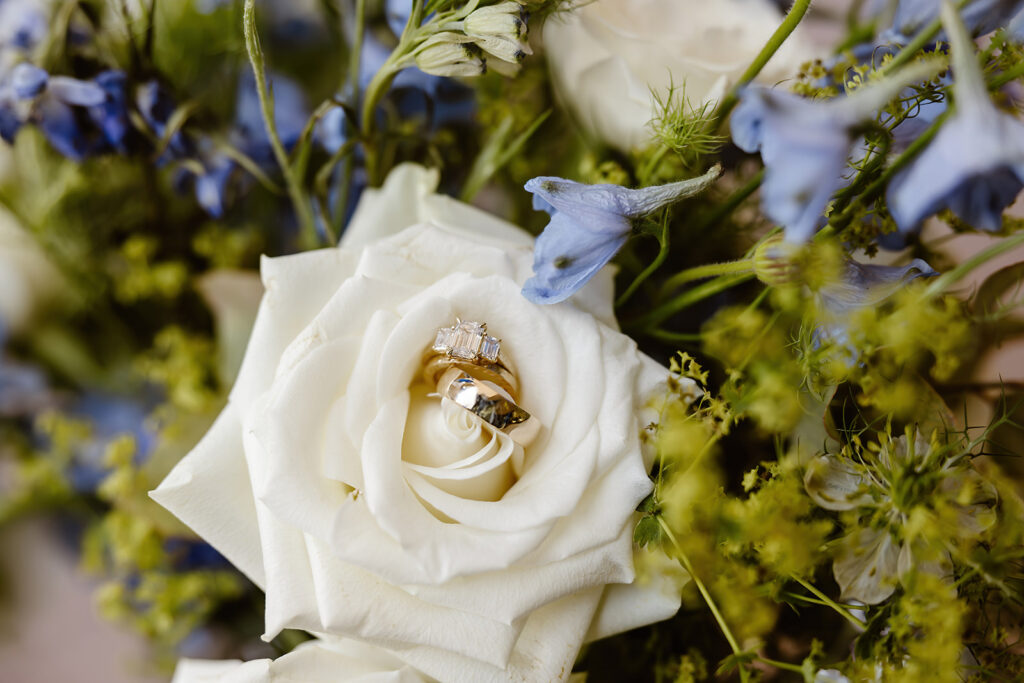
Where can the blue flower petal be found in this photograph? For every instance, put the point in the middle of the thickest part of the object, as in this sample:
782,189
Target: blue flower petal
111,117
980,16
863,285
59,124
23,24
805,146
566,256
974,166
28,80
76,92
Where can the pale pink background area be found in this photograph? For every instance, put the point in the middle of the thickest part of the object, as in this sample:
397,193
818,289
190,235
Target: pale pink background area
49,629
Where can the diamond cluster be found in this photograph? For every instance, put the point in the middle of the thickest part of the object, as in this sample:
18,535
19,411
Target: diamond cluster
467,341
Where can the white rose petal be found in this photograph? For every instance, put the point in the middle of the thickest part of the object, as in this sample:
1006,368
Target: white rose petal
318,661
367,508
606,56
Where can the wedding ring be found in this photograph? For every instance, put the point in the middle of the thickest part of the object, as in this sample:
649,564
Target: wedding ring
489,404
467,346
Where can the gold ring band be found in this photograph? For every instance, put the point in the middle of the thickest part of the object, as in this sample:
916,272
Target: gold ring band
436,365
488,403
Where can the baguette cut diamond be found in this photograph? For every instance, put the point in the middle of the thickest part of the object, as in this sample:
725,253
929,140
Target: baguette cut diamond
468,341
489,349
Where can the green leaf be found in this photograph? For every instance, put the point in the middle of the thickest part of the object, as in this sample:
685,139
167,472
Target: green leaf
497,152
996,286
647,530
735,661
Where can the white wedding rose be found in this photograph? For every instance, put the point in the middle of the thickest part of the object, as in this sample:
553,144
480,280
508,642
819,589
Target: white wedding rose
366,507
606,57
317,661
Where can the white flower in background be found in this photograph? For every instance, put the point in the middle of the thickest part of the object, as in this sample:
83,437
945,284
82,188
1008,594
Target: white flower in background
606,56
27,278
892,486
316,661
338,484
830,676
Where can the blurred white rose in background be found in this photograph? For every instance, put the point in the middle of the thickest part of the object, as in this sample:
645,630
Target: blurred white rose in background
606,56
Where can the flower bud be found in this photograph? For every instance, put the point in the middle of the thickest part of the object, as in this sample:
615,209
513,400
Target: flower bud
500,30
506,20
450,54
776,262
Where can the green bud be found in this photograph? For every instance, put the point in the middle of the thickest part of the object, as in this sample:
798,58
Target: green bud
776,262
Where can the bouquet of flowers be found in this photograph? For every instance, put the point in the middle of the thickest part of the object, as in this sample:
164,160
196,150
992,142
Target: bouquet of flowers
523,340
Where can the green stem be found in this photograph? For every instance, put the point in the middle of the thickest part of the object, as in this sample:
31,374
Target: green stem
357,51
796,14
876,188
706,271
910,50
780,665
946,280
1007,76
690,297
652,164
303,210
665,335
731,203
653,266
704,593
830,602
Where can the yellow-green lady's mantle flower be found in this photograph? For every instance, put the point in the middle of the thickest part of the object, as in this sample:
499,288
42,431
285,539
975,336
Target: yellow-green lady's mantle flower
913,500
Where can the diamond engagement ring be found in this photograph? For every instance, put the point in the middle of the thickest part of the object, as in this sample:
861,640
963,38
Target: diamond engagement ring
467,347
466,366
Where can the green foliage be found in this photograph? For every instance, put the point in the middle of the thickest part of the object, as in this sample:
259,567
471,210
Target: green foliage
680,128
186,366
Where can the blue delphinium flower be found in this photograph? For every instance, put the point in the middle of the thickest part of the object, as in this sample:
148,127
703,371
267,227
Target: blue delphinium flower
980,16
54,103
1016,27
805,145
109,417
249,136
156,106
862,285
589,224
975,165
23,24
111,116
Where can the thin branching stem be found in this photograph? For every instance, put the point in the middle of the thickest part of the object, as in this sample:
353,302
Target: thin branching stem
300,202
733,643
788,25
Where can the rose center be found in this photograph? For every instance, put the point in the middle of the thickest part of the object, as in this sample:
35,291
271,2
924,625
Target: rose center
445,444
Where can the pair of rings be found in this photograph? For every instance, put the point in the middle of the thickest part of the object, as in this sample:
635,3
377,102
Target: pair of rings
466,365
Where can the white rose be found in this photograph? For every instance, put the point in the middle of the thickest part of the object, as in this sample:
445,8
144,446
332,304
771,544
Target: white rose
329,477
27,278
606,57
335,661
